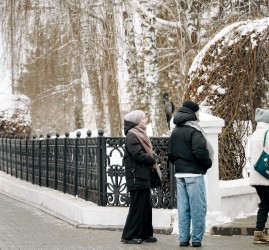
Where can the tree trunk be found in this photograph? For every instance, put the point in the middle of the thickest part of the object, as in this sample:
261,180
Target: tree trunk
109,70
90,63
75,61
152,89
134,61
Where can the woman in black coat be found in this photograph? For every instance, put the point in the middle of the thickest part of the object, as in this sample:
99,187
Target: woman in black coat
138,161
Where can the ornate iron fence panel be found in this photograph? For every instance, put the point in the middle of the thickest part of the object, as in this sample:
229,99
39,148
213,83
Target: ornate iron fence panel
92,189
30,157
163,197
35,161
8,158
12,152
114,176
43,163
17,157
115,193
24,160
2,154
80,167
51,163
61,163
70,173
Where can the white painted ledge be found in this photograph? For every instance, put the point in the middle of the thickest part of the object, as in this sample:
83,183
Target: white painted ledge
75,210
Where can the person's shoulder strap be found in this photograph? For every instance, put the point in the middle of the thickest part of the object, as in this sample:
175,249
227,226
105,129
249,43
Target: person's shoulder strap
264,140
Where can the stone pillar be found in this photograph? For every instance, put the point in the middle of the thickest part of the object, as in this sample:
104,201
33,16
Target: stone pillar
212,126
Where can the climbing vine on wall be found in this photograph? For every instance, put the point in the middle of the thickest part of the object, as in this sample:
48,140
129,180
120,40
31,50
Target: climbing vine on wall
230,77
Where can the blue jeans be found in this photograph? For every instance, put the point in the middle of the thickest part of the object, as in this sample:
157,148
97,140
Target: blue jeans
191,205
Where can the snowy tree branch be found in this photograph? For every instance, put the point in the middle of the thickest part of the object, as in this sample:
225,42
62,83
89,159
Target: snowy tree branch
157,23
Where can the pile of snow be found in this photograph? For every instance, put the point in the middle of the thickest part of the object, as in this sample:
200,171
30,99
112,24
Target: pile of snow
15,116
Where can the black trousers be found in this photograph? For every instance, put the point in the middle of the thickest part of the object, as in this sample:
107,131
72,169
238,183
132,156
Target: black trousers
139,220
168,119
263,192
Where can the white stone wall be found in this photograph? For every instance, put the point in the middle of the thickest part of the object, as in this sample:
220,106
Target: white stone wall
212,126
229,198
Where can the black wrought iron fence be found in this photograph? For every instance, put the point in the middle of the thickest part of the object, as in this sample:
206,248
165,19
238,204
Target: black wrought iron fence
90,168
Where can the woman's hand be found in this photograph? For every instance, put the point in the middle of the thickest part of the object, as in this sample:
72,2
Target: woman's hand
155,166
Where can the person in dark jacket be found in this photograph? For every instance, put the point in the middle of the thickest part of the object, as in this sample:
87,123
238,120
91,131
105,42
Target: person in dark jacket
192,155
138,161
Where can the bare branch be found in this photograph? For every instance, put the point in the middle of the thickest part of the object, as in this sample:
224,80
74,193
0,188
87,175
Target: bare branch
157,23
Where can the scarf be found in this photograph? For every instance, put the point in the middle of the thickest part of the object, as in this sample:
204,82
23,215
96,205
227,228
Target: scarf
143,138
194,124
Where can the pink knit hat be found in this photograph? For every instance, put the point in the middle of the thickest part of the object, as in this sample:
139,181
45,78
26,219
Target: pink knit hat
134,116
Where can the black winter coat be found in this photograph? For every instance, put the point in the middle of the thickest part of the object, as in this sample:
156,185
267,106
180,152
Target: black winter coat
136,161
187,146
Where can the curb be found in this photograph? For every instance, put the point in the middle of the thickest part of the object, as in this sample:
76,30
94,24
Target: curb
165,231
232,231
244,226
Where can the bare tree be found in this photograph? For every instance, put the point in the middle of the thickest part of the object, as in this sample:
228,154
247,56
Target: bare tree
45,72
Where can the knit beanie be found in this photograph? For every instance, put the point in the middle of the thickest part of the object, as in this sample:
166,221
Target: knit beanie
262,115
134,116
165,96
191,105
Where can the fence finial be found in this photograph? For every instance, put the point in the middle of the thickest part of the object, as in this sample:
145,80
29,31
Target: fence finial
100,132
89,133
78,134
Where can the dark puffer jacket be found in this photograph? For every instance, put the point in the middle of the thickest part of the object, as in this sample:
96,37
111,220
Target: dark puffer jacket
187,146
136,161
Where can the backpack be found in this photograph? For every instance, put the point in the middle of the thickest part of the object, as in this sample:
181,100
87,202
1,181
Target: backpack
168,107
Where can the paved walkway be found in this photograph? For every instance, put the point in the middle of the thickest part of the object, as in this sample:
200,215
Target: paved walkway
27,221
25,227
